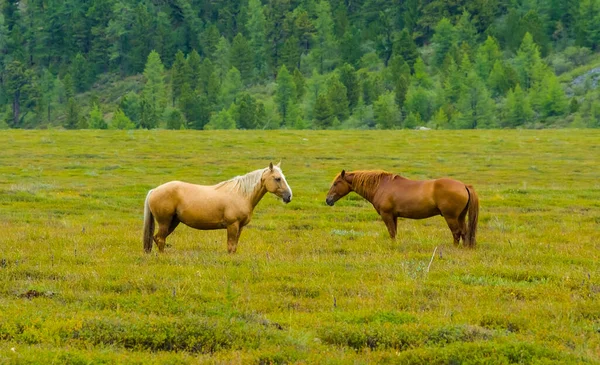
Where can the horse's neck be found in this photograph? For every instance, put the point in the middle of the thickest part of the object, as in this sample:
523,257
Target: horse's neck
369,194
257,195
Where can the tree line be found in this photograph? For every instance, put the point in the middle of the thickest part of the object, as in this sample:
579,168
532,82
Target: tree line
297,64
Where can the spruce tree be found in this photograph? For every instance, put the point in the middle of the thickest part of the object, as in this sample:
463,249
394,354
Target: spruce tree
386,112
325,44
209,39
231,87
179,75
96,119
246,112
154,91
72,114
338,100
517,110
285,91
300,83
323,114
443,40
405,47
349,78
195,69
256,29
241,58
528,62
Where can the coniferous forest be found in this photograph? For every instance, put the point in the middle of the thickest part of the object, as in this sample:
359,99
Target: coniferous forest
299,64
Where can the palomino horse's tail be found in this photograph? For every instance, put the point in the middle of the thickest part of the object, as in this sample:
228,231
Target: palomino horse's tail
148,225
473,216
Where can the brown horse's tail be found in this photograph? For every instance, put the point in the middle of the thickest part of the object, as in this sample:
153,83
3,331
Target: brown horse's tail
473,216
148,225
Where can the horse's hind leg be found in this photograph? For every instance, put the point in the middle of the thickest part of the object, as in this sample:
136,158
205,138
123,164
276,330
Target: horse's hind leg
165,228
454,225
463,225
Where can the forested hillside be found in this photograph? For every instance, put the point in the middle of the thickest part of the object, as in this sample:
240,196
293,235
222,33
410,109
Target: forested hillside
299,64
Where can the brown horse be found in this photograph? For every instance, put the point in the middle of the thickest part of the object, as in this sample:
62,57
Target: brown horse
226,205
394,196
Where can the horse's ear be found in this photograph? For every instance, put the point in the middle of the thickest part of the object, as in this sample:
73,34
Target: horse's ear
343,173
278,164
271,166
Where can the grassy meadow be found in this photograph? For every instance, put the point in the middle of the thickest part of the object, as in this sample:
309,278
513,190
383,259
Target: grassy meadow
310,283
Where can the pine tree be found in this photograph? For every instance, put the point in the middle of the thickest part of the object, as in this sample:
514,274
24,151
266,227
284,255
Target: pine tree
325,45
419,101
465,30
350,47
285,91
323,115
221,120
443,39
80,73
487,55
405,47
338,100
221,58
154,92
256,28
72,114
517,110
209,39
131,106
179,75
120,121
196,69
528,62
300,83
290,54
555,101
350,80
386,112
204,72
246,112
420,75
231,87
96,119
174,118
241,58
475,106
22,91
400,74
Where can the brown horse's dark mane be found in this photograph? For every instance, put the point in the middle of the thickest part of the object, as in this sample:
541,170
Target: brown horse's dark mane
366,182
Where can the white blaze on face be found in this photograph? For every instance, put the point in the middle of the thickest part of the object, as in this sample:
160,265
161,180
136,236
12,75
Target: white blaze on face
284,180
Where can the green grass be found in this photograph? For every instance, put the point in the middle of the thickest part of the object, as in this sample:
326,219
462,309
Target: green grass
310,283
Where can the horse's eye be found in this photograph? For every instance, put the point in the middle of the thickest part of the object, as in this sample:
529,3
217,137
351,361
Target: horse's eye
278,179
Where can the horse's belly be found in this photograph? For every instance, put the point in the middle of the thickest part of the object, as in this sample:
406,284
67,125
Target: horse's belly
206,225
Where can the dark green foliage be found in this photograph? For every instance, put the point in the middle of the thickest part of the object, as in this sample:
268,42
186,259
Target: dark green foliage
246,112
72,114
323,113
53,51
350,80
241,57
286,91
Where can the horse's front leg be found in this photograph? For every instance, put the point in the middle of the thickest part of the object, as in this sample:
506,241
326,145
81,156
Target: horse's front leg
233,234
391,222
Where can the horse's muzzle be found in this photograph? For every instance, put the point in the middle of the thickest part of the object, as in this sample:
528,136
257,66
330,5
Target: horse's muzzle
329,201
287,198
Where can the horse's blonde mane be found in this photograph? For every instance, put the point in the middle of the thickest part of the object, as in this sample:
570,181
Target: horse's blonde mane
244,184
367,181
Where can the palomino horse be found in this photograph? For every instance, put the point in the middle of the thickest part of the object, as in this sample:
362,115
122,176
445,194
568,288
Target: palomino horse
394,196
226,205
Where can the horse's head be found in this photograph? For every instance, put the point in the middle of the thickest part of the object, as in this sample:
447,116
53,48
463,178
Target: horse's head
275,183
340,188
